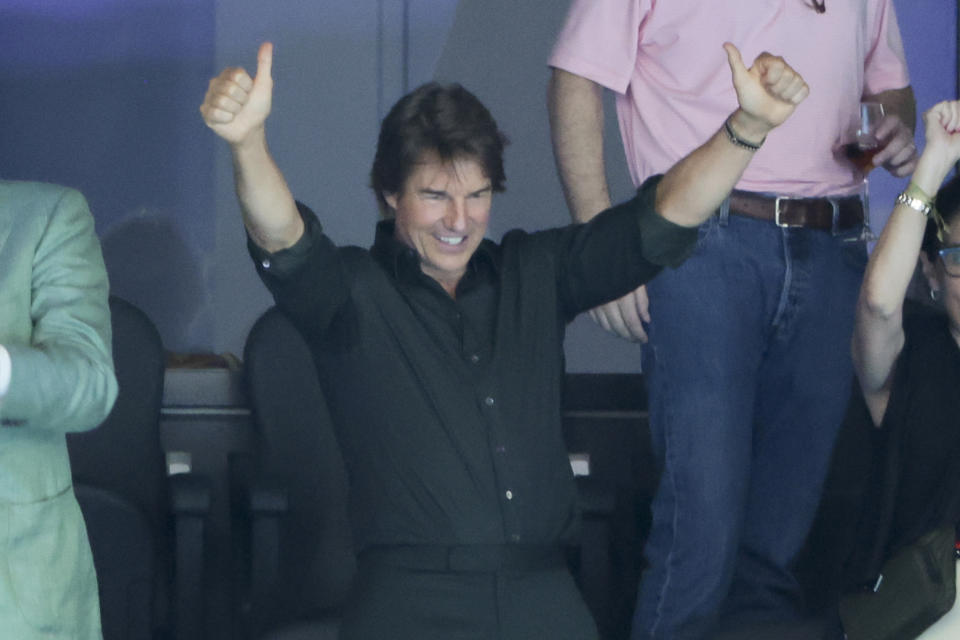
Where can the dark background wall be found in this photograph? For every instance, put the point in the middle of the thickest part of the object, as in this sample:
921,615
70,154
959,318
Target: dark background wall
102,95
94,94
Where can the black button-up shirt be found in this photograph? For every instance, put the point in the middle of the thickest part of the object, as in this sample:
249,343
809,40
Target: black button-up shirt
447,411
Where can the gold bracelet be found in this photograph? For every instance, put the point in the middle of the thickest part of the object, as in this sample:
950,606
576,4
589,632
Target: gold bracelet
918,205
914,191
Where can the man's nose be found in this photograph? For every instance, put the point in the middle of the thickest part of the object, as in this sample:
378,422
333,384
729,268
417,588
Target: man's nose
456,218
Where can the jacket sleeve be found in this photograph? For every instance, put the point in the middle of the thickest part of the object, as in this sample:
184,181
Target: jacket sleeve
63,379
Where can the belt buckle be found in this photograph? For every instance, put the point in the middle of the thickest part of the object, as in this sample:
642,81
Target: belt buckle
835,221
776,212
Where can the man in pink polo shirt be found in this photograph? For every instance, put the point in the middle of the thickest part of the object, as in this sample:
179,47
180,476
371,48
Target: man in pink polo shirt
747,355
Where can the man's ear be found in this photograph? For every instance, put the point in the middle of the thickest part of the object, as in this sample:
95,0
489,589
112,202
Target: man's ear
391,200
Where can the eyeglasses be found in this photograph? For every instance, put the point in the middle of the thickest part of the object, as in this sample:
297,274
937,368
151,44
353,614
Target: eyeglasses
950,257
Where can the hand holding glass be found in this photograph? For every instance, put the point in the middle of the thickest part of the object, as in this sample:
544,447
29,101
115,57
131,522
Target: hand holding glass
860,143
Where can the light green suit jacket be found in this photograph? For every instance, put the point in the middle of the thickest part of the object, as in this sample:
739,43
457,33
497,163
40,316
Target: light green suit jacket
55,323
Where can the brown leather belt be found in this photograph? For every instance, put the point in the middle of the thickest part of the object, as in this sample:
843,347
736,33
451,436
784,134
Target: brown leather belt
826,214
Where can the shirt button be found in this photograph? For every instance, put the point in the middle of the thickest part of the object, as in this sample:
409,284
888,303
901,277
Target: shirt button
265,263
474,358
515,537
489,401
509,494
501,449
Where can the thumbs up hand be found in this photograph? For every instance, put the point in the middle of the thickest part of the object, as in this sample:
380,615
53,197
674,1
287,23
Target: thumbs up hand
236,105
768,91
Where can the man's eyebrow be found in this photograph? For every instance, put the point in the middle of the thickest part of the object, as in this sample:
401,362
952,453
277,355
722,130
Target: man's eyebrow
478,192
432,192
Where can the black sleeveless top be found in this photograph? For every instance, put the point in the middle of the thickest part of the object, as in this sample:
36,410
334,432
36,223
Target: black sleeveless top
923,424
905,476
912,482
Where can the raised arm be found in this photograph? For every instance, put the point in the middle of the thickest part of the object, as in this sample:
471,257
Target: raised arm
236,108
692,190
878,336
768,92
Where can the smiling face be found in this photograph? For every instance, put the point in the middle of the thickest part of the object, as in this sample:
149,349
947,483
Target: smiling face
442,212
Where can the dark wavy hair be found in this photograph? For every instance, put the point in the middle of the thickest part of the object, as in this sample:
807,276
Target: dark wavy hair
948,204
435,118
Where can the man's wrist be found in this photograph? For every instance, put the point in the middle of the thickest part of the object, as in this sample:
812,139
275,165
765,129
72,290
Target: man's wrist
737,141
253,142
748,128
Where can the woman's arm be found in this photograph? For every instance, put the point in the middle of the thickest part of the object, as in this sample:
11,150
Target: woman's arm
878,335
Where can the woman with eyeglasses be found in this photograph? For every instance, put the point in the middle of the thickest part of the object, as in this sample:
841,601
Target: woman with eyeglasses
908,364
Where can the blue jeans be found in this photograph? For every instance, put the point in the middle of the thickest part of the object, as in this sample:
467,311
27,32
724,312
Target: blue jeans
748,370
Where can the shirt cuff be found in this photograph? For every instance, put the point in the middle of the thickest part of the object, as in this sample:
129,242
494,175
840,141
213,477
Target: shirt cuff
288,261
5,367
662,242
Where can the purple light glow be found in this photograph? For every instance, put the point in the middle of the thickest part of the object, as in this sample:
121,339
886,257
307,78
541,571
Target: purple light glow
41,35
63,8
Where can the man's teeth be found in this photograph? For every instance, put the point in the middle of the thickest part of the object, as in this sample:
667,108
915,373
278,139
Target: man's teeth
455,240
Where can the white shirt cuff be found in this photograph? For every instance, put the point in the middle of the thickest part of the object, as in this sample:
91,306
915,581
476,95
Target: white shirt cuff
4,371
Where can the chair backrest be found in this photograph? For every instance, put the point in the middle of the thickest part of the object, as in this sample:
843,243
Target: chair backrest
295,443
120,479
124,453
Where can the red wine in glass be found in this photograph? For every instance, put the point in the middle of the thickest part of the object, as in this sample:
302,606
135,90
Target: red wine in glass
860,153
859,143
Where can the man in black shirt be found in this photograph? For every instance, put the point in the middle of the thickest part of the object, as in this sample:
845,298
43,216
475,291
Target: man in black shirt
441,352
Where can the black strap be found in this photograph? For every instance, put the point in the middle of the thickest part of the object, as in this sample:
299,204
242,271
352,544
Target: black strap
481,558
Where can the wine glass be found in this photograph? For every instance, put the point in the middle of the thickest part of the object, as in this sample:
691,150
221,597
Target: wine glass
860,143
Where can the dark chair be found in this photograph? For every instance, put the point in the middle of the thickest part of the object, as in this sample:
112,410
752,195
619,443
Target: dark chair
145,532
605,416
295,557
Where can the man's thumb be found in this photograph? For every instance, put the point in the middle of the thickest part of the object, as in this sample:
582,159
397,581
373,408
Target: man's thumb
734,59
264,61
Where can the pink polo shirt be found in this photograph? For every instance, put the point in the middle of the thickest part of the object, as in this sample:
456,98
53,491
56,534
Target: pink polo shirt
665,61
